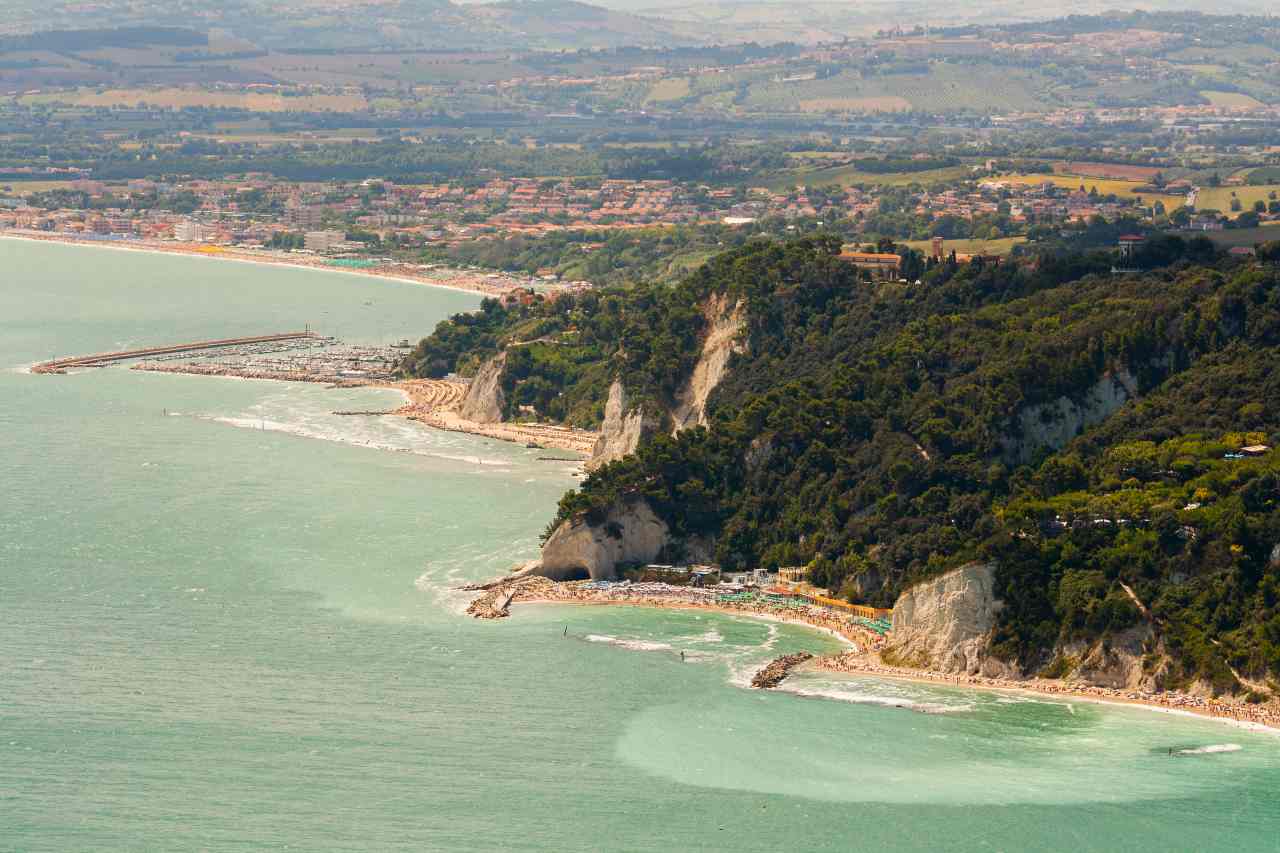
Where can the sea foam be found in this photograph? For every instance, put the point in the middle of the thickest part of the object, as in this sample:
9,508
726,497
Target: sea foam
1210,749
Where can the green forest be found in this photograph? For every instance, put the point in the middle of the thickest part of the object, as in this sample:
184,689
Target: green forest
871,431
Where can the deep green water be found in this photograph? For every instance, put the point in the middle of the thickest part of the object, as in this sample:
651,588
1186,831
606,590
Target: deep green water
226,623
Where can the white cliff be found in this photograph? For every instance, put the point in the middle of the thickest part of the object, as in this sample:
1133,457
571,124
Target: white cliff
1118,661
1055,423
630,533
945,623
484,400
723,338
623,429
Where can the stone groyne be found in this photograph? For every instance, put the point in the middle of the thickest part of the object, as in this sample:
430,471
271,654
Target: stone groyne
778,669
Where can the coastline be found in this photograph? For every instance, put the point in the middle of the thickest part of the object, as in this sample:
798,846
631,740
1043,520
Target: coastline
863,658
463,282
1243,716
707,608
431,402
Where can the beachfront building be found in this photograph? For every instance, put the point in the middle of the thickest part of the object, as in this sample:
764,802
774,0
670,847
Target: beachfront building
188,231
324,241
794,574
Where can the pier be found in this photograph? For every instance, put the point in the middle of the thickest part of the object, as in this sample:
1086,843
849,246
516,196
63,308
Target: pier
61,365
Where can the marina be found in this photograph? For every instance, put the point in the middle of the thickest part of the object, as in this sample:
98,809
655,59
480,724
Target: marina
275,341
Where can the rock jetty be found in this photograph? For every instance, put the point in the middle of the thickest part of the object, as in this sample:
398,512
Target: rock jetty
778,669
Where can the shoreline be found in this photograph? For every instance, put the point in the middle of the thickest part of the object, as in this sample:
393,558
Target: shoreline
707,608
1176,704
862,660
430,402
262,257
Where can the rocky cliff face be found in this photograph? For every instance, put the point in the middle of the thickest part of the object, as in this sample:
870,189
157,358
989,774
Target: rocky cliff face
1054,424
631,533
725,324
1117,661
946,623
484,400
623,429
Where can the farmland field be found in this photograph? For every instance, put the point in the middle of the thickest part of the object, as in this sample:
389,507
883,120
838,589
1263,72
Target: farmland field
1219,198
1244,236
1106,170
1105,186
23,188
178,98
669,89
946,88
891,104
1231,100
846,176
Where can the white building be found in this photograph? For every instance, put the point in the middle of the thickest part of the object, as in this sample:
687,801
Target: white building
190,232
324,241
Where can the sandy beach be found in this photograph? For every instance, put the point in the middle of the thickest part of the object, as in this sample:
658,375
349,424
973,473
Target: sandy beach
432,402
862,658
445,277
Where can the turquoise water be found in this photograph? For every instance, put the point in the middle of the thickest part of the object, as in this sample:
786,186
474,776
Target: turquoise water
227,622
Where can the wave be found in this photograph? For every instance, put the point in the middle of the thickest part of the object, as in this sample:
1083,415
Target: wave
859,698
770,639
635,645
710,636
1211,749
343,437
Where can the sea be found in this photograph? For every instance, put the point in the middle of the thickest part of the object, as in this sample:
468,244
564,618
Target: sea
230,621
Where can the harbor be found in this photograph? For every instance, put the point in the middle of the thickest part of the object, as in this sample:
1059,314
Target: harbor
257,343
308,356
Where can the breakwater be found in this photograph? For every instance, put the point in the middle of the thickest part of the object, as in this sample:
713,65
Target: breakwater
61,365
778,669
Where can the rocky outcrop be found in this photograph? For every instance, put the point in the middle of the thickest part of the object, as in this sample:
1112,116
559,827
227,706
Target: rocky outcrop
484,401
723,338
623,429
630,533
945,624
778,670
1117,661
1054,424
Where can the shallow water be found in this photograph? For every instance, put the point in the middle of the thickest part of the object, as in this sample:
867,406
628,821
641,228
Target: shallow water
227,622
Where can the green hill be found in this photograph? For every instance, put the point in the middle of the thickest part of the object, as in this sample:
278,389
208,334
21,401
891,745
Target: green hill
1081,430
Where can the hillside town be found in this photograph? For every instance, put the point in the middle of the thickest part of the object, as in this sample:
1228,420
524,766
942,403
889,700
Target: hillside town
352,220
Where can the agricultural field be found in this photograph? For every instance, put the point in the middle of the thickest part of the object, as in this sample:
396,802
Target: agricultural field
174,98
1250,54
1231,100
25,188
669,89
1120,171
1105,186
1245,236
946,88
847,176
1219,198
1264,175
892,104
